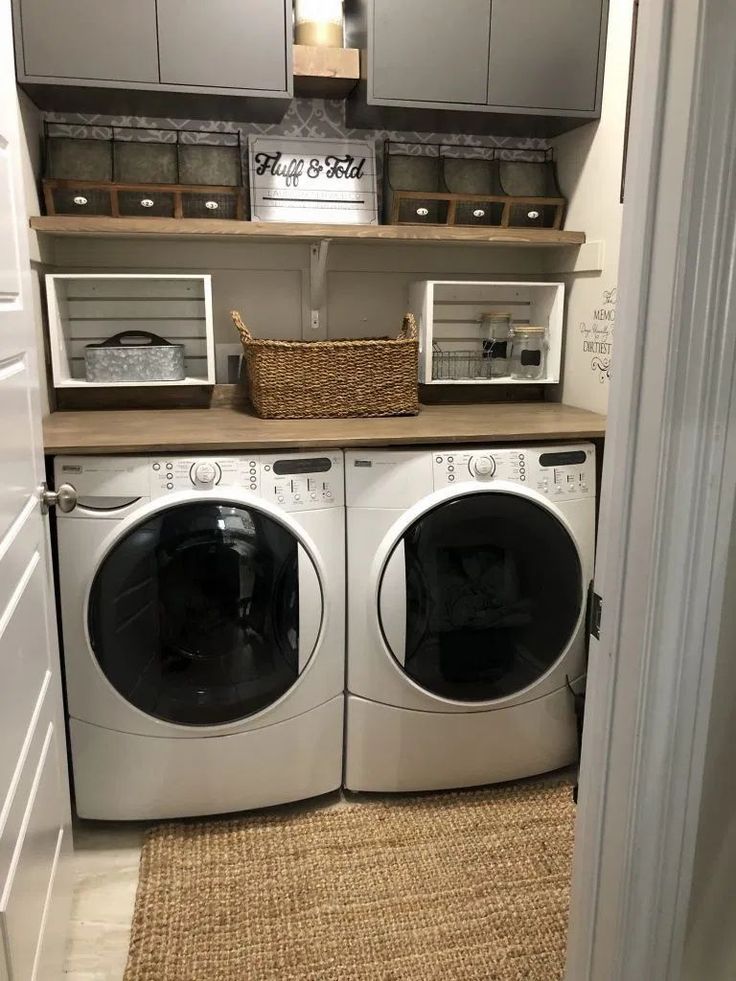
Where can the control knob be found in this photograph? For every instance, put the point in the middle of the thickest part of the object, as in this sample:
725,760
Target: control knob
483,466
205,473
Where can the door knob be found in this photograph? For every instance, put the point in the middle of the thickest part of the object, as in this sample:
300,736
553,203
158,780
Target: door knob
65,498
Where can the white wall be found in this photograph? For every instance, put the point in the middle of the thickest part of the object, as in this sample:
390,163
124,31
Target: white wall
589,164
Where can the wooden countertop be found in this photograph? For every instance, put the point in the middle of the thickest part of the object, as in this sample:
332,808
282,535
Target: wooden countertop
199,430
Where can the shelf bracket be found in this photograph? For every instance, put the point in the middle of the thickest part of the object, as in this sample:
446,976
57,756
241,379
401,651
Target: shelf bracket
318,253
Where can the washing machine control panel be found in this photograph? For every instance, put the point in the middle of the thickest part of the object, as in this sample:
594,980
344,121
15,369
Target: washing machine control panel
558,472
294,482
301,483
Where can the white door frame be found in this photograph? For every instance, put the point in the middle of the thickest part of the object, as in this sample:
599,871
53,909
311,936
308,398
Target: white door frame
668,497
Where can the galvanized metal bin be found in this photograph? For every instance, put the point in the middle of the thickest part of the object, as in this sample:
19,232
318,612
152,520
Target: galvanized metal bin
134,356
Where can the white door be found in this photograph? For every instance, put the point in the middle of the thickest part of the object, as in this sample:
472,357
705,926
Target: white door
654,860
35,833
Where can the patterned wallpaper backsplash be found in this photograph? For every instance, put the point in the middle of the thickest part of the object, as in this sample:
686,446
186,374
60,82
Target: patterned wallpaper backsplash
306,118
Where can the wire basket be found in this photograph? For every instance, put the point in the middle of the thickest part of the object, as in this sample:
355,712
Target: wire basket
466,364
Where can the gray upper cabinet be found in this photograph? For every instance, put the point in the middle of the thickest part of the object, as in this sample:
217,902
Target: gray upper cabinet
430,52
545,53
496,66
224,43
90,39
197,59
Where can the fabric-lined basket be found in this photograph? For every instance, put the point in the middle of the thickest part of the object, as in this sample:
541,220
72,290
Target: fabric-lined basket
338,379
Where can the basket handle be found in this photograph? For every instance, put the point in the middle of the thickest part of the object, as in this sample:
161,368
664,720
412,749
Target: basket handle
245,334
409,330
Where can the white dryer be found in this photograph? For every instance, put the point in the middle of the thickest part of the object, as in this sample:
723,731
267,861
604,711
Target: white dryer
468,573
203,618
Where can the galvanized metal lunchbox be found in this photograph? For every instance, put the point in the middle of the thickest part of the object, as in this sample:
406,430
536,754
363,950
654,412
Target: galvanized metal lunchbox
134,356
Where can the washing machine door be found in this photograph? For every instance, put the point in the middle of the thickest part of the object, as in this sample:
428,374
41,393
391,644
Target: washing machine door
481,595
205,612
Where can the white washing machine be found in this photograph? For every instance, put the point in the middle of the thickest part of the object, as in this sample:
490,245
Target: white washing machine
203,617
468,573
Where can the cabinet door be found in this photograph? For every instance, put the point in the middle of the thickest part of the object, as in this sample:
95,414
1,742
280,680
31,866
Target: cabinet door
430,52
90,39
237,44
544,53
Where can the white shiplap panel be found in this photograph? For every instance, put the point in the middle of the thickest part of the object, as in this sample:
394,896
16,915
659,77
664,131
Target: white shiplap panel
143,308
446,311
113,288
175,330
483,293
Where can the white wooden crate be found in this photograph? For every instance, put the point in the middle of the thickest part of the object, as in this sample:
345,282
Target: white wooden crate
448,313
89,308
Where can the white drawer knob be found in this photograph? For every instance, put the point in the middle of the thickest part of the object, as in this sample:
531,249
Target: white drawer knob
80,199
146,203
212,205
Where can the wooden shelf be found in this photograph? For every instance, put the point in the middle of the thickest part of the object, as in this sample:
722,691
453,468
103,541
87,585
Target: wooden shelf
325,73
218,228
233,429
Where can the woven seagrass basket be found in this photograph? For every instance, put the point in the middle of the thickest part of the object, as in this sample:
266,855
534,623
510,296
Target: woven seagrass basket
340,378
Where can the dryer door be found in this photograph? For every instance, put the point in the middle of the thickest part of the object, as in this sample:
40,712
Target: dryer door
205,612
481,595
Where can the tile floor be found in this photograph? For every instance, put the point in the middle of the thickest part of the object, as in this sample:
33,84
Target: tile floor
105,879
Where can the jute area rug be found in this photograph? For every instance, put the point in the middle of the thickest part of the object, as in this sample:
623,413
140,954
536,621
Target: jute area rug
472,886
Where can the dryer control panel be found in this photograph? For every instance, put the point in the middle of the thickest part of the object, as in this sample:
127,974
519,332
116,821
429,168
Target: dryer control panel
292,481
558,472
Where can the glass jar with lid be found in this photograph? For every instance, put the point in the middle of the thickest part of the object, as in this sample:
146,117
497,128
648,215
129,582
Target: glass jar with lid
528,352
495,330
